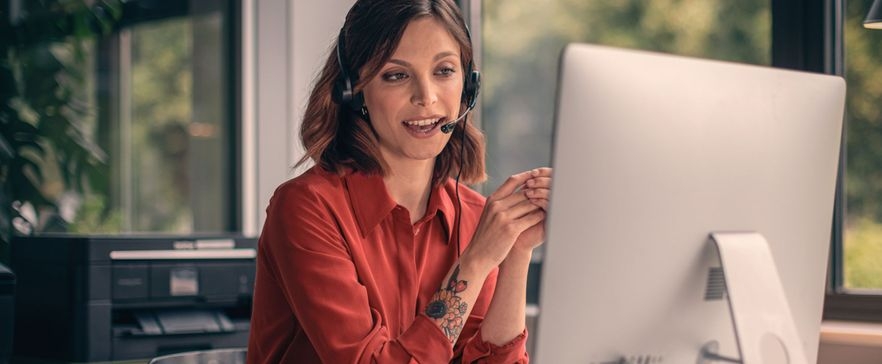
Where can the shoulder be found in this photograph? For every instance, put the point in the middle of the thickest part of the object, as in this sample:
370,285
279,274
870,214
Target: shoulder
314,179
304,215
315,186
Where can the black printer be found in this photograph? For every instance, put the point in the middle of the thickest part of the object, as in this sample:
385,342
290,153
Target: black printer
86,299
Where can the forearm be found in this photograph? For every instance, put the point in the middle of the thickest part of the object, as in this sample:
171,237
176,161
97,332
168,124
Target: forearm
505,318
451,305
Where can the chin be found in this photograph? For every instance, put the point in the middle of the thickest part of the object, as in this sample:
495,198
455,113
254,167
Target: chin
425,157
425,154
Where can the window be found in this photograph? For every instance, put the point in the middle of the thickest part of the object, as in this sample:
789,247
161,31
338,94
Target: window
172,131
855,274
862,225
153,107
522,40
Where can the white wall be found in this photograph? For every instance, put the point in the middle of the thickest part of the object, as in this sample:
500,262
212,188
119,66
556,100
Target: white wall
315,27
284,45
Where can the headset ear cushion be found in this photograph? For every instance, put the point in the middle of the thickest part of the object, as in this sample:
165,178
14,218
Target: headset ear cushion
471,89
356,102
337,93
343,95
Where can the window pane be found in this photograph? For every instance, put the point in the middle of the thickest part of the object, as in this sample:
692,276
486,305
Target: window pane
161,92
863,173
177,125
523,40
179,167
133,128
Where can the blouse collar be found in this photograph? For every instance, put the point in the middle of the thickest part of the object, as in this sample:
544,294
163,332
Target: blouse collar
372,203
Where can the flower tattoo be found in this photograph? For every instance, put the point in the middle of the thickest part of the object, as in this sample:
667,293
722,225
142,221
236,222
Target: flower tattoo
448,308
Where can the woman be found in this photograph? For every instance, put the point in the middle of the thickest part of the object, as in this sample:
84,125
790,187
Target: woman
376,254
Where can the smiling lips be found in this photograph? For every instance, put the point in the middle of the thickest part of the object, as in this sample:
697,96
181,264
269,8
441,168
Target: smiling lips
422,128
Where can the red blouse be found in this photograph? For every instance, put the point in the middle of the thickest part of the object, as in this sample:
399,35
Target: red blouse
344,277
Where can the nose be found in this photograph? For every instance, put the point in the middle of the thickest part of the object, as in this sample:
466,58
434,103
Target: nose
425,92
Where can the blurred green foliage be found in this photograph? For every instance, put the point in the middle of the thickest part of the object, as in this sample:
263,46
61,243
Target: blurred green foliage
522,40
45,132
92,217
863,250
863,179
162,111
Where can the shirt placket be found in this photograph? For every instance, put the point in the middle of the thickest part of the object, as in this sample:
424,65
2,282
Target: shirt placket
405,243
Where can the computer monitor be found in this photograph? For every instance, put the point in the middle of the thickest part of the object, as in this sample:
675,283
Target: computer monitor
654,152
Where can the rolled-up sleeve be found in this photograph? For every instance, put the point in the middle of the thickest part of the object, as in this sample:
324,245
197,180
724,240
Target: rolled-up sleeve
472,349
480,351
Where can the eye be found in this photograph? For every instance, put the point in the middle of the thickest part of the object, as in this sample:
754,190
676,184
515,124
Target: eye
446,71
394,76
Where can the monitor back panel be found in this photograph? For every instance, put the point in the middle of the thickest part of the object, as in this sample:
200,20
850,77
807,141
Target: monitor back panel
652,152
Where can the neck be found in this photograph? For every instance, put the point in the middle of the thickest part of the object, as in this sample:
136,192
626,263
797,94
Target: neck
409,183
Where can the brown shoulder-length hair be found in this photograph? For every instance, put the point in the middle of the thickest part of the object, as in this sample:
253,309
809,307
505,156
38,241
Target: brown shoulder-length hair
338,139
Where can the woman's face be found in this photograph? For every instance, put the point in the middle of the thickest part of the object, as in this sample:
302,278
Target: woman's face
416,91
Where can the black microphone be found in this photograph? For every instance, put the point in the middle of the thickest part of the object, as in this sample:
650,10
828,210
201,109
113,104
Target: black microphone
447,128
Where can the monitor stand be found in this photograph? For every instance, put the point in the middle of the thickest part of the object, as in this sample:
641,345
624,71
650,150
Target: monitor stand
764,327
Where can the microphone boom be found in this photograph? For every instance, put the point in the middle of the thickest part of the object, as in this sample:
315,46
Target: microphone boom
447,128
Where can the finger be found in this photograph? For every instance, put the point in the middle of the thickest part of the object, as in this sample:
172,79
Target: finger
531,219
542,172
521,209
544,182
542,193
512,207
513,199
542,203
509,186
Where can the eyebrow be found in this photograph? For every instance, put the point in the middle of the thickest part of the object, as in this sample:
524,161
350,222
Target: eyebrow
436,58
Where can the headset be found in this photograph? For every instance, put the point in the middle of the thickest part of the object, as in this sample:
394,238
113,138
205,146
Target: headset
344,92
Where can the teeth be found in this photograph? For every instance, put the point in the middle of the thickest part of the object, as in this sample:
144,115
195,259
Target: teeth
423,122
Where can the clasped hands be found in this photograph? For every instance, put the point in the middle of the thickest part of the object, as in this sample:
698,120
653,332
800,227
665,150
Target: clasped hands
513,220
